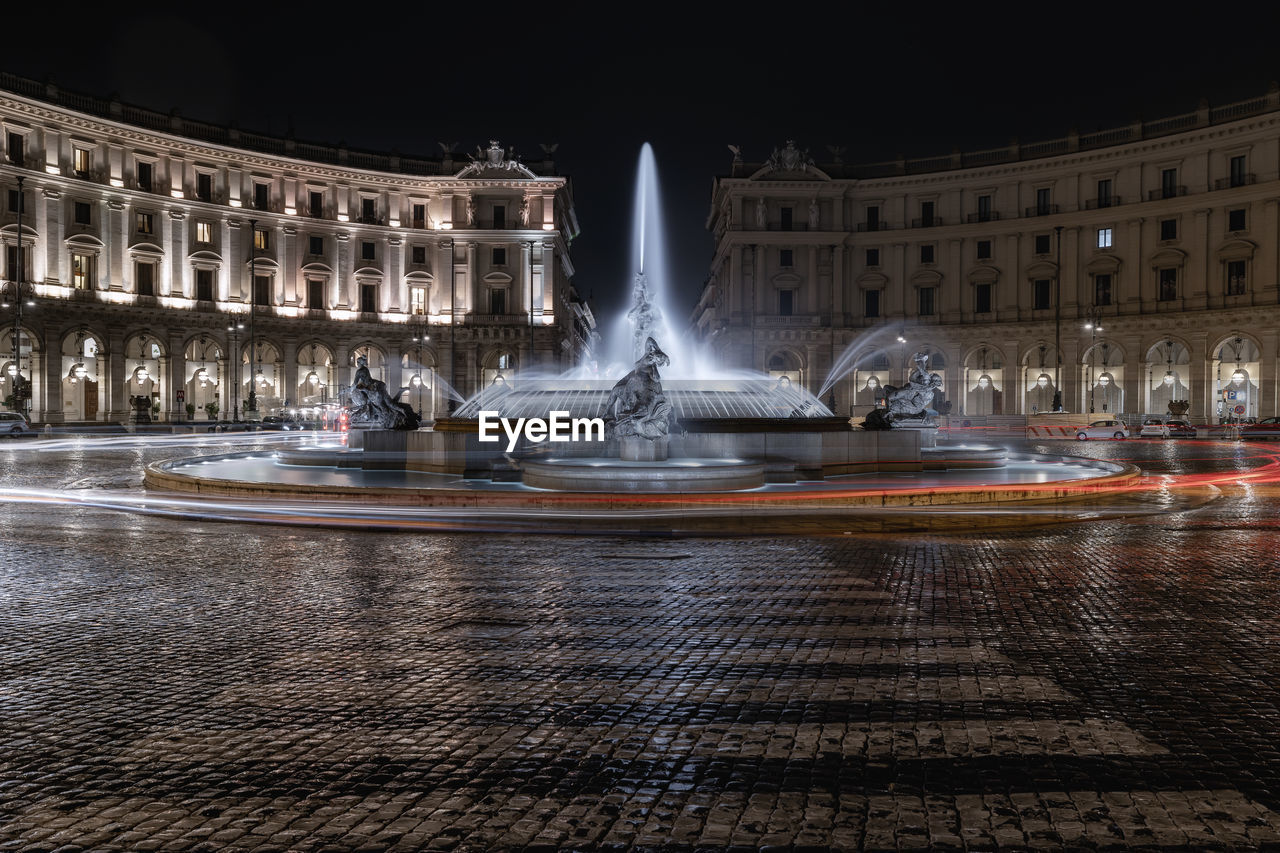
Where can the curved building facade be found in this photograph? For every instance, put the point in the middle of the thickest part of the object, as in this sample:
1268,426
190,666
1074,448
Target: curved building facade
146,255
1114,271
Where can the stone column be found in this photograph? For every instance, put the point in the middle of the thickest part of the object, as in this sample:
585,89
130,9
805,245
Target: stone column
1267,373
288,375
51,367
117,393
343,273
1201,391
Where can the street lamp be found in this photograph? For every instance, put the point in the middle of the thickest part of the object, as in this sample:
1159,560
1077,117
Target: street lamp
1094,325
20,384
251,405
233,330
902,340
420,337
1057,326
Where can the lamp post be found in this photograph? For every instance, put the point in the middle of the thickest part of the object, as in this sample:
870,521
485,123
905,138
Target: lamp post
233,330
1057,325
420,337
1094,326
20,385
903,341
251,405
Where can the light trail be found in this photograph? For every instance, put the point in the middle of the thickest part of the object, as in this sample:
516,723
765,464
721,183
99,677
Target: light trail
130,442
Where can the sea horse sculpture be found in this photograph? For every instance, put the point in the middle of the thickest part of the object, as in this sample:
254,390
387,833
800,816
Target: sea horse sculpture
636,404
371,405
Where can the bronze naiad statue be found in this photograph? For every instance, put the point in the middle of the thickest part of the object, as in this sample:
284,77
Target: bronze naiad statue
372,406
914,401
636,404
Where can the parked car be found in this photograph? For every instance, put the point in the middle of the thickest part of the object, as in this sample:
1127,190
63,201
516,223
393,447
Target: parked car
1180,428
1265,428
1154,428
1110,428
276,422
13,423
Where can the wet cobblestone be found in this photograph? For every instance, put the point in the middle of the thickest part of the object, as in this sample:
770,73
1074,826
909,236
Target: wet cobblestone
204,687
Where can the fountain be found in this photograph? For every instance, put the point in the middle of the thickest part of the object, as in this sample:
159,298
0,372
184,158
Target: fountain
662,425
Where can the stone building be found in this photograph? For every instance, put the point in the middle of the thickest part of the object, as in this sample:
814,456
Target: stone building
192,263
1122,269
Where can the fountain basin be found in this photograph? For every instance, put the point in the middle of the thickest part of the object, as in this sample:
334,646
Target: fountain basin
587,474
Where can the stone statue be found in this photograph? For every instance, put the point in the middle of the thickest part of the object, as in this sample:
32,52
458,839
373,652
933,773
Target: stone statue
760,213
372,407
524,213
914,401
636,405
471,212
813,214
645,317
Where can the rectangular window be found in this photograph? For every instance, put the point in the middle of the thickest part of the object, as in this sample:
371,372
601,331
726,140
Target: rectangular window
785,258
926,295
260,239
984,208
1237,171
419,216
1041,291
261,196
1104,238
1042,244
316,205
984,250
926,214
1235,220
1043,196
315,245
367,251
367,209
144,176
1235,278
926,254
81,161
145,275
315,294
16,141
368,298
11,262
1104,193
204,186
17,202
262,290
419,255
497,301
82,272
786,302
1102,289
204,285
417,300
871,303
788,214
1168,183
83,213
204,232
873,218
982,298
1168,284
1168,229
499,216
499,256
146,223
873,257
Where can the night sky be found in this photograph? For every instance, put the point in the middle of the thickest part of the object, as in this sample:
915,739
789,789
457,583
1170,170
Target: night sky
600,83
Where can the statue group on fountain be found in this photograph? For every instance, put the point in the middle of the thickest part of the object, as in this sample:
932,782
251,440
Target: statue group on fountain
372,407
636,405
914,401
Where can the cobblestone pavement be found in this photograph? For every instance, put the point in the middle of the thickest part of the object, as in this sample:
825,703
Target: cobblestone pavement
174,685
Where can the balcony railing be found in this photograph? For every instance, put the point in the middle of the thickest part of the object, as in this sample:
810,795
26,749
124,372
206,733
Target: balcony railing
926,222
1235,181
989,216
1166,192
1100,203
873,226
1042,210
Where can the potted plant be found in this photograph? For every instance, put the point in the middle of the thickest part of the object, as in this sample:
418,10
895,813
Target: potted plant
212,410
191,411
